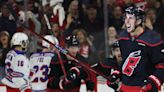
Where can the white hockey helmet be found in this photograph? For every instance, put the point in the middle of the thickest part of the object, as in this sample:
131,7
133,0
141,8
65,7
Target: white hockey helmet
50,38
21,39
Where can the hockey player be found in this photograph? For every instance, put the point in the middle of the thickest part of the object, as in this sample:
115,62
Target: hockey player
72,80
107,67
142,69
40,64
17,65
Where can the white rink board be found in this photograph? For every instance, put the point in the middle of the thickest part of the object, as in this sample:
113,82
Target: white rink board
101,86
3,89
104,87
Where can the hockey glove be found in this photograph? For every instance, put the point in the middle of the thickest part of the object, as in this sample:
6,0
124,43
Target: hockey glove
153,84
146,88
114,80
73,73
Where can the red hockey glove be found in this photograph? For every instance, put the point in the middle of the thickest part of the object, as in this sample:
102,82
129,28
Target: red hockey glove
146,88
153,84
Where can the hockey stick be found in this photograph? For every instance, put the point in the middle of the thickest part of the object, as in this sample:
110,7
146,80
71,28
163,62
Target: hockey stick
60,49
64,51
61,63
50,29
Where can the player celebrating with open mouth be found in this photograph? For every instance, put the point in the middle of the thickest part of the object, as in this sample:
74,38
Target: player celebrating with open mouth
142,68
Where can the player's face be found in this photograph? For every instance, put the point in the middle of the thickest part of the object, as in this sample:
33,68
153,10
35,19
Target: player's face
73,50
24,44
130,22
117,54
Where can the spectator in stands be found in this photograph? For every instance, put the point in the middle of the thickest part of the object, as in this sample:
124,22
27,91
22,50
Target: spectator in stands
127,2
92,24
58,34
112,37
87,48
160,18
74,17
158,5
117,19
7,21
4,48
150,18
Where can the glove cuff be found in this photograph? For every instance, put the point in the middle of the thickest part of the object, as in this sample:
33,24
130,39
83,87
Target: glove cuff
116,72
76,70
155,81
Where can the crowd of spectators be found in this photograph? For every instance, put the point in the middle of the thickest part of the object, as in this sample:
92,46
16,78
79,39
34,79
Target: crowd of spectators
83,18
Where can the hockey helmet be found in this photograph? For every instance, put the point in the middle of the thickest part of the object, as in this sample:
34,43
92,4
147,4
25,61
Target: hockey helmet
72,41
50,38
137,11
115,45
20,39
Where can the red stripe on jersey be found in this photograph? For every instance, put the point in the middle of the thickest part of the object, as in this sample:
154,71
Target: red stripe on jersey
105,66
151,45
16,74
160,66
123,38
9,78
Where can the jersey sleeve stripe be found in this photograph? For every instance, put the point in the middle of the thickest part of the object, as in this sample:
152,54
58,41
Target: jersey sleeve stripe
160,66
151,45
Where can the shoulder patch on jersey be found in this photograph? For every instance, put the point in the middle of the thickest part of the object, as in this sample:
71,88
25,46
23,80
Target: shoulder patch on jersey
150,38
123,35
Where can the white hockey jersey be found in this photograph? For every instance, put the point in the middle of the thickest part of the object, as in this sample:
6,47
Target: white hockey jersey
40,63
17,70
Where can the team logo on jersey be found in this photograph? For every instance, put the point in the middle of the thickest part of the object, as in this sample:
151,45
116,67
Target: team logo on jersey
131,63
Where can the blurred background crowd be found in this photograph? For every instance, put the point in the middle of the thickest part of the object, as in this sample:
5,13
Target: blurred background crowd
96,23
